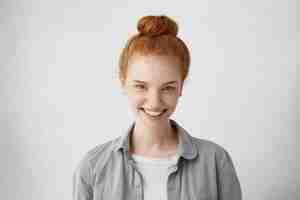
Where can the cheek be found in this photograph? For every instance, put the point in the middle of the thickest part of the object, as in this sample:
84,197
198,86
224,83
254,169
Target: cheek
173,102
170,100
136,101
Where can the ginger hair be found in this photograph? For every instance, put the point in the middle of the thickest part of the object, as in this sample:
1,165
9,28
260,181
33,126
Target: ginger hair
157,35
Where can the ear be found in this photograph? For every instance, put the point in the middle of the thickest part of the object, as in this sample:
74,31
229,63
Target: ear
180,92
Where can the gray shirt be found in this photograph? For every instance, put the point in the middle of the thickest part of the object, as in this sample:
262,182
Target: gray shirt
204,171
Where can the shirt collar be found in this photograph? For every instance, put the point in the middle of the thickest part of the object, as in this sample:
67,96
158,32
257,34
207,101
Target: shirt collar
185,148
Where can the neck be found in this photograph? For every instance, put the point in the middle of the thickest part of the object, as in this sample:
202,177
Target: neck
155,140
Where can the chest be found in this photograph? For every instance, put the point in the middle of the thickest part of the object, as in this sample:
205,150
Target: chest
184,182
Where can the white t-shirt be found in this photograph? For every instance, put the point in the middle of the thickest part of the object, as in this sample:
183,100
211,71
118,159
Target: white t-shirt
155,173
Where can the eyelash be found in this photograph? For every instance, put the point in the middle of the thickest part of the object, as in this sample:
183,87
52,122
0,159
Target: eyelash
169,88
139,86
142,87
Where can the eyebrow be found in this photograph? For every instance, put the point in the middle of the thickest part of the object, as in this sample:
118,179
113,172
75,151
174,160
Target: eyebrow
170,82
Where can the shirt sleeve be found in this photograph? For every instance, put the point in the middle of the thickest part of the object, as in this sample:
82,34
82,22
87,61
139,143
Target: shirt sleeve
82,187
228,182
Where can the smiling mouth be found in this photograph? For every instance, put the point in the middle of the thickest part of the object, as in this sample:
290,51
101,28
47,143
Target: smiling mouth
154,114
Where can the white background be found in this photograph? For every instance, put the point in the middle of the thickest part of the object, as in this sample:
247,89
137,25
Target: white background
60,94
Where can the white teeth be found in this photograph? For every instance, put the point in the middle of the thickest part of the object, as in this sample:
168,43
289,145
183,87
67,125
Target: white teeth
154,114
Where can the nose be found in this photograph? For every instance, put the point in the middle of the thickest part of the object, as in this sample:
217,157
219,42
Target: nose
153,101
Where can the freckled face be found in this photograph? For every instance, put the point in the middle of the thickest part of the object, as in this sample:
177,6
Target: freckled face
153,86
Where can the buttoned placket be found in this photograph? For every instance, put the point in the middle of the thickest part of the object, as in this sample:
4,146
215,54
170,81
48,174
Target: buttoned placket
138,184
171,184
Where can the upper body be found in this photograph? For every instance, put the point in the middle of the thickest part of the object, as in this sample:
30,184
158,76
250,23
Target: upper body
204,171
153,67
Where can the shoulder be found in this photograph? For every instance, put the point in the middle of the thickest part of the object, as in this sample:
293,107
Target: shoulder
97,156
207,146
211,150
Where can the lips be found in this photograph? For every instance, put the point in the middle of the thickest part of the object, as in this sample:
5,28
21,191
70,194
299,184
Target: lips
154,114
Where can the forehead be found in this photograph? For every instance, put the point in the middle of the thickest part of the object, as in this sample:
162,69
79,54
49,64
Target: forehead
153,68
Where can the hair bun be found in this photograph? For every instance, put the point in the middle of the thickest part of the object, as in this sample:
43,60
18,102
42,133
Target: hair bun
157,25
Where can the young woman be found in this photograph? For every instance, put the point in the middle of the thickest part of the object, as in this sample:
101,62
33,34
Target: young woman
155,158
